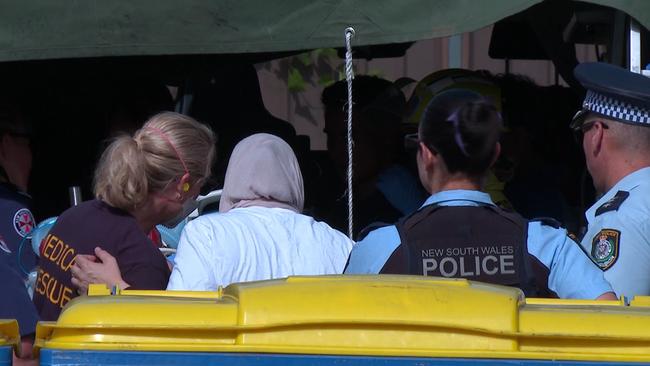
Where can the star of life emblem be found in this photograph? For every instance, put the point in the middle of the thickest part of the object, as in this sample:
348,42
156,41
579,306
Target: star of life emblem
23,222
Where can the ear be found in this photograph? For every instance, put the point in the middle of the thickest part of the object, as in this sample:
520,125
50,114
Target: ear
596,139
184,185
497,152
428,157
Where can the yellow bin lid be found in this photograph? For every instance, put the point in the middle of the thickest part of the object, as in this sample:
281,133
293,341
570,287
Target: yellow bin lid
9,334
355,315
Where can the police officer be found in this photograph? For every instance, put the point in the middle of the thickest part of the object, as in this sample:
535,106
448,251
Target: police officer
16,220
447,79
615,126
459,231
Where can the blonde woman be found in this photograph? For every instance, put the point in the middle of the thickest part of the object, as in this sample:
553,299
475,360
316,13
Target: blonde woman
149,178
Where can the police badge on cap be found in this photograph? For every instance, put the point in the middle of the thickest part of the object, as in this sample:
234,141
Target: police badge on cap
614,93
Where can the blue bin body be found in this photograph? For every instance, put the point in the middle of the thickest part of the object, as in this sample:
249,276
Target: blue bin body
6,354
53,357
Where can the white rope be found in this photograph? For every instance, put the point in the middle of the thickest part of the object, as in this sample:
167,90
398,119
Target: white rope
349,75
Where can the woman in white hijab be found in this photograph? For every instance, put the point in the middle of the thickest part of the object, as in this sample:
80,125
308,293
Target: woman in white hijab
259,232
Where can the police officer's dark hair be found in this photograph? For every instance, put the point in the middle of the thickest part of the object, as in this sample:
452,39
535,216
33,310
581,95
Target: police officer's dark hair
464,128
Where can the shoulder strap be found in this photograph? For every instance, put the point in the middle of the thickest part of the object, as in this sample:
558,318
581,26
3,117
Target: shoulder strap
407,222
511,216
528,282
614,203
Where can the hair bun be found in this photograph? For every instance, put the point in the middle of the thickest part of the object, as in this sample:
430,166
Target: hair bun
464,128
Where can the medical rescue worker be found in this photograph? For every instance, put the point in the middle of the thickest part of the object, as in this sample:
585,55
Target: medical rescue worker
459,231
16,220
141,180
615,126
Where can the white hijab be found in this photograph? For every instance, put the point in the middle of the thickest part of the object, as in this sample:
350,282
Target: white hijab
263,171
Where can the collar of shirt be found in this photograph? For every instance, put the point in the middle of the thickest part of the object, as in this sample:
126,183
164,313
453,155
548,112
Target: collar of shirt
459,197
628,183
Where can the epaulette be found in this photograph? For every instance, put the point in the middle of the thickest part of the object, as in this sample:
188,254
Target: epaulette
614,203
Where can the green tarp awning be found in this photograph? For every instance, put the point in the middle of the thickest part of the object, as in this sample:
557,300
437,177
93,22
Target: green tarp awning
48,29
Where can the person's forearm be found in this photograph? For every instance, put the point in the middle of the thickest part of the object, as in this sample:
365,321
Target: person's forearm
25,358
607,296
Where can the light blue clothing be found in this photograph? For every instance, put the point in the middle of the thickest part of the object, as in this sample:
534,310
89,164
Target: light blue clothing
626,259
401,189
172,236
571,273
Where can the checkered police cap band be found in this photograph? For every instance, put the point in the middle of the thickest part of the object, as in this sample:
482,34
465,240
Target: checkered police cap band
616,109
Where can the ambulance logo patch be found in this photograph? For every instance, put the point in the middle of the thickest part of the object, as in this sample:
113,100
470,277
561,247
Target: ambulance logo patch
604,248
23,222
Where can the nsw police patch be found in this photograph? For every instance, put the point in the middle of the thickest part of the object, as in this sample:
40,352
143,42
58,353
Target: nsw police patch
605,247
23,222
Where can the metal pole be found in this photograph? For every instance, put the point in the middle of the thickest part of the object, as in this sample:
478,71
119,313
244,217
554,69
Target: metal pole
455,54
75,195
635,46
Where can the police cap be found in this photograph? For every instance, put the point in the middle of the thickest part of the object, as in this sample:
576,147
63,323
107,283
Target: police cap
614,93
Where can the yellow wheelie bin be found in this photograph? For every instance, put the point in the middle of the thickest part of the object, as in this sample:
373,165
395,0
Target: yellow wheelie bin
345,320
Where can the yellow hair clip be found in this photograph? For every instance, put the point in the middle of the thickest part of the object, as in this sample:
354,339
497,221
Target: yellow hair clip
186,187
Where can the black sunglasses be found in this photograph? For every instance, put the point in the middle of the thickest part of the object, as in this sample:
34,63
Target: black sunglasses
580,130
412,143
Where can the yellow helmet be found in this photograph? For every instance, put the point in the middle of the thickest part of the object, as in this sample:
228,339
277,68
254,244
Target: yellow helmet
442,80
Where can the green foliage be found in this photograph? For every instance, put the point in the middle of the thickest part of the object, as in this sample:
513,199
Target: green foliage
317,67
326,80
295,81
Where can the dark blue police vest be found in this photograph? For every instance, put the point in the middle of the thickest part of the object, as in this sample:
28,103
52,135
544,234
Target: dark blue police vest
481,243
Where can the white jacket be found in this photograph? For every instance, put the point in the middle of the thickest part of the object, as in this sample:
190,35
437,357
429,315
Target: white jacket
255,243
